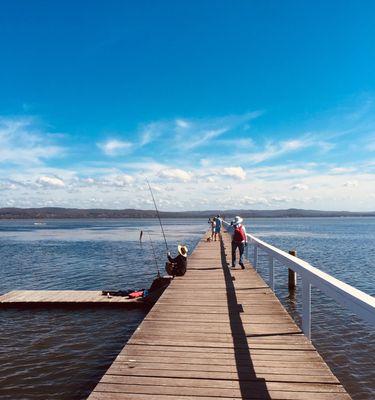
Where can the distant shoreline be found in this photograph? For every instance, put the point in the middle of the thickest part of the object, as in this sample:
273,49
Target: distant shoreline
75,213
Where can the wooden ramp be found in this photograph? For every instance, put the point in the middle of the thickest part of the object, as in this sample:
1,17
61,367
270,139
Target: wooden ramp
59,297
218,333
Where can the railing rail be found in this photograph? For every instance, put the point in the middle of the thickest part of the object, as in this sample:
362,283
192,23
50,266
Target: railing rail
358,302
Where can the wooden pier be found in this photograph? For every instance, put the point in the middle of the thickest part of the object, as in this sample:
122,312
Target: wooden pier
218,333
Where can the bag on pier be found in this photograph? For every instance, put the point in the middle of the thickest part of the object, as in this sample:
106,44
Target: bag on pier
239,234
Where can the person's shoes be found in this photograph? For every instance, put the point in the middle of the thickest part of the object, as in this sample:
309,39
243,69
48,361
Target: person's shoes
242,266
233,266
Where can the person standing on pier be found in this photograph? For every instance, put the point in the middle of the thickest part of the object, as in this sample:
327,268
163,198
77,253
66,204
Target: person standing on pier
239,240
217,227
213,226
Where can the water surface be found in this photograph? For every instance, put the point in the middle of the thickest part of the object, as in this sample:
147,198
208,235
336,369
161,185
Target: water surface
61,353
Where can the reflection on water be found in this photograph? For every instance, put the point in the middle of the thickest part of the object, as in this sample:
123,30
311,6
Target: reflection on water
61,353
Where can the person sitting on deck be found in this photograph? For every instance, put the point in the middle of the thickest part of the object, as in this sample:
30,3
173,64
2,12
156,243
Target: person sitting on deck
239,240
177,266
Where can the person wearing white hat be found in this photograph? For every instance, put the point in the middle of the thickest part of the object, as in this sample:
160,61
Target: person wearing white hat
177,266
239,240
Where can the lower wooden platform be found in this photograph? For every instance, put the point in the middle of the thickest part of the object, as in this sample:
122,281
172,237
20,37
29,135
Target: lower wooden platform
62,297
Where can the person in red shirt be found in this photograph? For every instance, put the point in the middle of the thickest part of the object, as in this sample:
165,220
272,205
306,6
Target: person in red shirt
239,240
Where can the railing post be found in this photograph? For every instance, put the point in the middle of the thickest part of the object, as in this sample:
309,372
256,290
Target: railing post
306,308
247,251
292,276
271,265
255,263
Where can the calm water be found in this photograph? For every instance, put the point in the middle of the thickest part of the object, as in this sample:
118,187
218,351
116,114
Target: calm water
62,353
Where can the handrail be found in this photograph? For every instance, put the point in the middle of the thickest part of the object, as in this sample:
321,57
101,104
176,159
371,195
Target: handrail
358,302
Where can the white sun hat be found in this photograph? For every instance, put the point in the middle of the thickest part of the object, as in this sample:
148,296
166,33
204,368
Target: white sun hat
237,220
183,250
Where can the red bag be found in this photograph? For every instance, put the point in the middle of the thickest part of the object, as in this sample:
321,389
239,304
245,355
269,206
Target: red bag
239,234
134,295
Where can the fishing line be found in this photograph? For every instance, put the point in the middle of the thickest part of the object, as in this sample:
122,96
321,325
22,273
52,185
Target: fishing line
153,250
157,213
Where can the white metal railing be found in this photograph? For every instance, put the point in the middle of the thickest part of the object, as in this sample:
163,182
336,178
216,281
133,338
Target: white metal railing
358,302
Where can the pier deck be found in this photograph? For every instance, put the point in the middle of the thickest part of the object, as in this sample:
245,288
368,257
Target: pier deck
218,333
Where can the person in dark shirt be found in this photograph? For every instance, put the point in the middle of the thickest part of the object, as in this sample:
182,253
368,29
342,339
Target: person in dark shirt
177,266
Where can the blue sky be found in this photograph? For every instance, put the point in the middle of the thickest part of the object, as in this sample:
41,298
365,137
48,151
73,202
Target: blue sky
246,104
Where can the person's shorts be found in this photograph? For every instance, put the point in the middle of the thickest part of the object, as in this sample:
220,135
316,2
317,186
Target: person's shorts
217,229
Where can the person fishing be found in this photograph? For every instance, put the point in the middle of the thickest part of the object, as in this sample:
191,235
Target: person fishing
177,266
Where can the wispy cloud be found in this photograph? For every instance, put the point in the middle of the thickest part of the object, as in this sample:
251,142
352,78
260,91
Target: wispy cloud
277,149
24,141
175,174
115,147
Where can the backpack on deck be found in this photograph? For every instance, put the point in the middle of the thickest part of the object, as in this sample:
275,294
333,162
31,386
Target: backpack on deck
239,234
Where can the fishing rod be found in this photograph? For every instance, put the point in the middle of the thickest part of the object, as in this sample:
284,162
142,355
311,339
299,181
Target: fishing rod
153,250
157,213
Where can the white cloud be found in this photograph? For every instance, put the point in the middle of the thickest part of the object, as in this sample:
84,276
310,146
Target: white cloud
291,145
351,184
299,186
50,181
234,172
7,186
341,170
124,180
195,133
298,171
273,150
175,174
203,138
23,141
89,181
182,124
115,147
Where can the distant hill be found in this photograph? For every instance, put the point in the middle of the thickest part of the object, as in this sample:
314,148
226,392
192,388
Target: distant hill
64,213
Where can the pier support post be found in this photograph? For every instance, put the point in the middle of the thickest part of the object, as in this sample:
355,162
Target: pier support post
292,276
306,308
271,265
